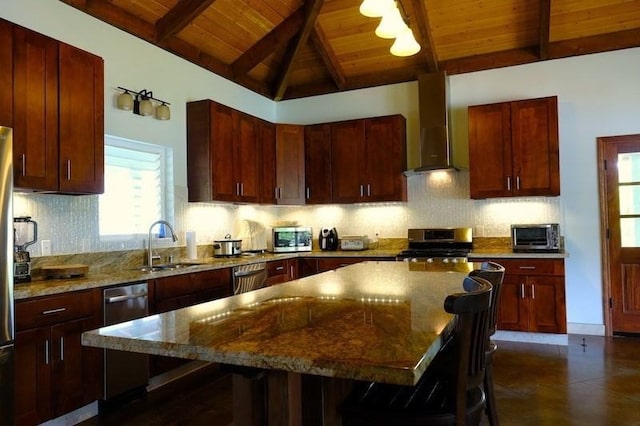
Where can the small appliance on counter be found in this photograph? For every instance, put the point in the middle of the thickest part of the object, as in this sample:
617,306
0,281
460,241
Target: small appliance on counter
227,247
354,242
253,236
287,239
328,239
543,237
25,234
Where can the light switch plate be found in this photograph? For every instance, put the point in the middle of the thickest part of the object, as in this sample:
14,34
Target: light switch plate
46,247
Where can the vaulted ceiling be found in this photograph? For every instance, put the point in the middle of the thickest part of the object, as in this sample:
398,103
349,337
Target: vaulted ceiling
286,49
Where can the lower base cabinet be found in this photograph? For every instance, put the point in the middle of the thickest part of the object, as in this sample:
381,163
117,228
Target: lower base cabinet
315,265
54,373
281,271
533,296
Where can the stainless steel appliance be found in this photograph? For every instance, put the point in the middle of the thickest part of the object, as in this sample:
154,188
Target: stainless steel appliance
7,331
288,239
249,277
354,242
544,237
125,373
227,247
439,247
25,234
328,239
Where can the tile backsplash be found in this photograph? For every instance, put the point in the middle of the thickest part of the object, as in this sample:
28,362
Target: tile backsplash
436,199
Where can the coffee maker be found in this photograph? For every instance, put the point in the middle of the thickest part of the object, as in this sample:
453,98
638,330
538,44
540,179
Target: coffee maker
25,233
328,239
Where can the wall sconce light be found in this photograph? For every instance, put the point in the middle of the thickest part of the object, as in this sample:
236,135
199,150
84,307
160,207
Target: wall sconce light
140,103
394,24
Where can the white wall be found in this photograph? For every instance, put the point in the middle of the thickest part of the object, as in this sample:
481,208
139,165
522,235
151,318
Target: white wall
597,97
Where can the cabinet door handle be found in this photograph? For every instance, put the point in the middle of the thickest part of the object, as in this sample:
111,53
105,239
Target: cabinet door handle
23,159
61,348
522,295
46,351
54,311
308,193
368,190
362,190
241,188
237,188
533,291
68,169
508,183
291,272
527,267
518,182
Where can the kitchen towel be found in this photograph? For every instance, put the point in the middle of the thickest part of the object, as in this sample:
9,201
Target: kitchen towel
192,248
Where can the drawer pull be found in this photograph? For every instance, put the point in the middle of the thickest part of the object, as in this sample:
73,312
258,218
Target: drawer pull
54,311
527,267
279,268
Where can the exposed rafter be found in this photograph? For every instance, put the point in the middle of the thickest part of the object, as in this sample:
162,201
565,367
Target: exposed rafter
179,17
329,58
421,18
545,21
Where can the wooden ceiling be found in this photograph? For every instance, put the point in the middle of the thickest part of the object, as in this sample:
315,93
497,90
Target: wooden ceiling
286,49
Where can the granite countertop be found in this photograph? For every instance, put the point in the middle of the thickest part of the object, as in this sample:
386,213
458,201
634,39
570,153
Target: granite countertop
373,320
129,272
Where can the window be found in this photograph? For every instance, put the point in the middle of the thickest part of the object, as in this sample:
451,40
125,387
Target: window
135,175
629,190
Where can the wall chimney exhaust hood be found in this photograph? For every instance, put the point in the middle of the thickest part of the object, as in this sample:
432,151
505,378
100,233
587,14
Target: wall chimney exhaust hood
435,141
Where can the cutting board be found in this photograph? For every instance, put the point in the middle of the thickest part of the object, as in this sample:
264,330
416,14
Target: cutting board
65,271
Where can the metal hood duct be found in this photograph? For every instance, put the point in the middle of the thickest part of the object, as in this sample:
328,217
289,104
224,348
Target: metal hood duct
435,143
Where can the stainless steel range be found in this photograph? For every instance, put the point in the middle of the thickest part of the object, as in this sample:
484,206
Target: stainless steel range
438,245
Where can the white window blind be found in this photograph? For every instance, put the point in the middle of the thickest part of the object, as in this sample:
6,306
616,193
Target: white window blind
134,195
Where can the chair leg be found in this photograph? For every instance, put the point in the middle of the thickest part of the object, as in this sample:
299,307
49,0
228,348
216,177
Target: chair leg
491,408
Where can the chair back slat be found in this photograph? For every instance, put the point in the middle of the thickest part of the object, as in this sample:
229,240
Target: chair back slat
494,273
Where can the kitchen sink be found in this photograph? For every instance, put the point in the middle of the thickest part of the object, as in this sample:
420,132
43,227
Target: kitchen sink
167,266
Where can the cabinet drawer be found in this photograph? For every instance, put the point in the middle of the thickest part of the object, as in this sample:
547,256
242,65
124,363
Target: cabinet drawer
532,266
276,267
219,279
175,286
48,310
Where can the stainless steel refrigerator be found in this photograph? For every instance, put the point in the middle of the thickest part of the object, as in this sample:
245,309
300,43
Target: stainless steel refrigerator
6,277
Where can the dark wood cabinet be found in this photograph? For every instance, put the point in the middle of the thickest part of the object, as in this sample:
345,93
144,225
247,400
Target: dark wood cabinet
317,164
281,271
533,296
290,175
54,373
368,158
223,160
514,149
58,116
6,77
267,142
314,265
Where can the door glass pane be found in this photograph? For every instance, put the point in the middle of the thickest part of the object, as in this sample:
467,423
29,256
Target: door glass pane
630,232
629,199
629,167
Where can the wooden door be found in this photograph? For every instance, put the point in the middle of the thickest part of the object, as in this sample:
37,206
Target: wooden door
513,312
32,376
267,146
620,203
546,304
35,113
490,159
246,164
317,163
6,77
81,120
534,142
290,164
385,158
225,184
347,162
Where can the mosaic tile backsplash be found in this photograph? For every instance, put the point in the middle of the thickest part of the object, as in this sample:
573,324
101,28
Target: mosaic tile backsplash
437,199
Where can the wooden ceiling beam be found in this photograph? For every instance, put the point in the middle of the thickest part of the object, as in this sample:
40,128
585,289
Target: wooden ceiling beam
490,60
595,44
277,37
179,16
428,47
545,22
328,57
312,9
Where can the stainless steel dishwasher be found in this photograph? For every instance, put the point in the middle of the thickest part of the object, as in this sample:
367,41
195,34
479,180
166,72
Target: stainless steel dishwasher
249,277
125,373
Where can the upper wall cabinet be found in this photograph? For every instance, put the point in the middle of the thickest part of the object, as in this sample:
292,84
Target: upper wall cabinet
317,163
222,153
290,187
58,114
514,149
368,158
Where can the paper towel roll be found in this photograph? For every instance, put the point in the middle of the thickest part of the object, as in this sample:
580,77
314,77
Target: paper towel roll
192,247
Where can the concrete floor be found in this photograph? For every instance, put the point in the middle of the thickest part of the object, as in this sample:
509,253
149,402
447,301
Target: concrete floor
592,381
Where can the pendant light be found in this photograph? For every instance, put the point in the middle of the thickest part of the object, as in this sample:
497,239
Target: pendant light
391,24
405,44
375,8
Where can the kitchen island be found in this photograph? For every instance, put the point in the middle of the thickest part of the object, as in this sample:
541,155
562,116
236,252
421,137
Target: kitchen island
380,321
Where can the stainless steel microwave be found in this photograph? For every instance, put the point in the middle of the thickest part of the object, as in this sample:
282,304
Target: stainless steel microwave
543,237
291,239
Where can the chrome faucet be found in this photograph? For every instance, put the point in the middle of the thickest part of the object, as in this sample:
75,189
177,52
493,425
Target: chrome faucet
150,252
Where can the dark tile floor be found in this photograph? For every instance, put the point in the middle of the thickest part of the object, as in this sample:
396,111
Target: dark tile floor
592,381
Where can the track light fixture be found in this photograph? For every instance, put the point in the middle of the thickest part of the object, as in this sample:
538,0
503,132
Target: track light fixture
394,24
140,103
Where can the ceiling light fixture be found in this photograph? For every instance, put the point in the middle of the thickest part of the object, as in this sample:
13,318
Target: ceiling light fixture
141,104
394,24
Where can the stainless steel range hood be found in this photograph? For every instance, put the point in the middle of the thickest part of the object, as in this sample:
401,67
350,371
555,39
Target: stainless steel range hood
435,140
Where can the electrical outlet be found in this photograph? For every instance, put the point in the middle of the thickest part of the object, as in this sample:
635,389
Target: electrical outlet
46,247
